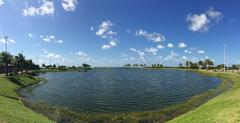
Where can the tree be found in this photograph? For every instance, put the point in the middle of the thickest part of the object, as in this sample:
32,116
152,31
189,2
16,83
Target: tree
201,64
7,59
180,65
209,63
19,59
54,66
188,64
43,65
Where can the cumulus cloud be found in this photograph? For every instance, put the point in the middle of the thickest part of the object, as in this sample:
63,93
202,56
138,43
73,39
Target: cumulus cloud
172,57
140,53
69,5
201,51
188,51
200,22
182,45
170,45
51,55
160,46
215,15
59,41
104,31
83,56
30,35
50,38
152,50
106,46
9,41
92,28
1,3
155,37
184,57
113,43
46,8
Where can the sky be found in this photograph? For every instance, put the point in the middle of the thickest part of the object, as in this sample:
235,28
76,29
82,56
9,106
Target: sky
114,33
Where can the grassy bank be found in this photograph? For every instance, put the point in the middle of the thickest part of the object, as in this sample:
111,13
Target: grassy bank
224,108
12,110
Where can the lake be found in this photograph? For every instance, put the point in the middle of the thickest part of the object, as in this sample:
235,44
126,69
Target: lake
115,90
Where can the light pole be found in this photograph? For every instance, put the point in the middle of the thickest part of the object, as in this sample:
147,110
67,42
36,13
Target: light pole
50,60
224,55
6,62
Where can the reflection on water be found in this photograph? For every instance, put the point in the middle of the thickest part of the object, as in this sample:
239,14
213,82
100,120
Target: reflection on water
119,89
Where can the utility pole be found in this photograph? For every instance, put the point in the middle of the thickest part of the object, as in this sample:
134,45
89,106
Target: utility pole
6,62
224,55
50,60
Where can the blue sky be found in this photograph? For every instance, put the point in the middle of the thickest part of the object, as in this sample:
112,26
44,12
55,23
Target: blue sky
113,33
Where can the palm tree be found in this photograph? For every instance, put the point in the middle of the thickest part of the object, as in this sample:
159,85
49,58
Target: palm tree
201,64
28,65
208,63
187,63
7,59
43,66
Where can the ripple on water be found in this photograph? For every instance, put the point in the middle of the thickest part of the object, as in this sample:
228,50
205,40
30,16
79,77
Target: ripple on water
119,89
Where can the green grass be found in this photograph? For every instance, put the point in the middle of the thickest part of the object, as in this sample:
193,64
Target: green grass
12,110
224,108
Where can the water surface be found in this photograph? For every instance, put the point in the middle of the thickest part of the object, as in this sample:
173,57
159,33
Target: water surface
119,89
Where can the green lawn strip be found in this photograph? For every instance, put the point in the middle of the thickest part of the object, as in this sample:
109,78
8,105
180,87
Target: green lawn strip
12,109
224,108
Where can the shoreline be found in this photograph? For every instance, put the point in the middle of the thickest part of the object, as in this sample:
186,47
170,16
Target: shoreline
163,115
12,109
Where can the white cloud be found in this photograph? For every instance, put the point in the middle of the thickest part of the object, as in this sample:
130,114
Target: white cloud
215,15
113,43
170,45
45,51
51,55
92,28
46,39
10,41
188,51
50,38
172,57
155,37
140,53
152,50
104,31
30,35
182,45
46,8
106,46
160,46
105,28
201,51
184,57
69,5
83,56
200,22
1,3
59,41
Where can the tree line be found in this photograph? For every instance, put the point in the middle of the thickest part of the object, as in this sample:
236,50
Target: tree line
203,64
16,64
